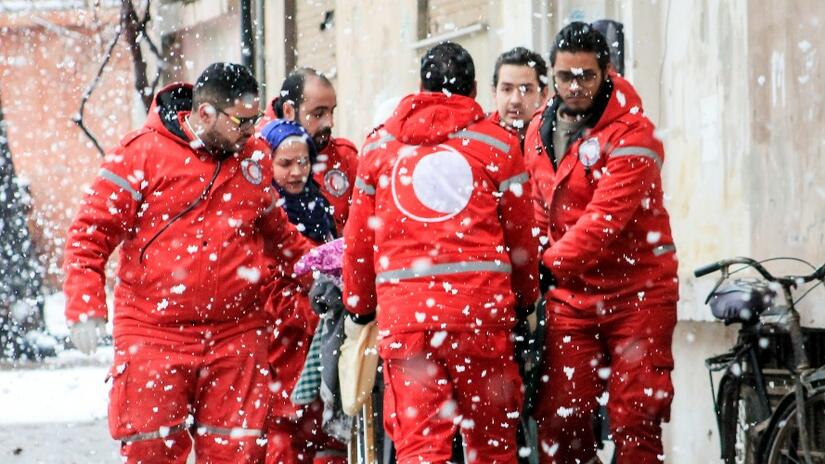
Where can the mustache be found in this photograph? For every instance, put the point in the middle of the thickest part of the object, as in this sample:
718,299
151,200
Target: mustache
325,132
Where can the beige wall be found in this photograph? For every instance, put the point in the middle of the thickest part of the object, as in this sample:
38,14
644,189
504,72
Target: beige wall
378,60
207,31
787,147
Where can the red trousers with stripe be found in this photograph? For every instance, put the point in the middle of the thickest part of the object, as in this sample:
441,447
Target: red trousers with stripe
619,355
168,390
437,384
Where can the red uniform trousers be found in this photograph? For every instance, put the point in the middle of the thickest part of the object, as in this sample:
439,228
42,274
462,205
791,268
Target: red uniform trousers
159,382
625,349
301,440
437,383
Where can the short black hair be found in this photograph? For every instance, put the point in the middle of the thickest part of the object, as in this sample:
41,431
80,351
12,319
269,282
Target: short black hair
521,56
221,84
292,90
448,67
581,37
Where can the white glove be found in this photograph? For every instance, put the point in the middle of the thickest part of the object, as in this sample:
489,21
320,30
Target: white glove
86,334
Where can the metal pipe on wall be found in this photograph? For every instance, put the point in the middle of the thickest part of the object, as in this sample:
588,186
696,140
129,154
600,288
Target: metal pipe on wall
247,36
260,40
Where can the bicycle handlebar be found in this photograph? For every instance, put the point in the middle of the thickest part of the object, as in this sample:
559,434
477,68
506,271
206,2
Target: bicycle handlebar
707,269
818,274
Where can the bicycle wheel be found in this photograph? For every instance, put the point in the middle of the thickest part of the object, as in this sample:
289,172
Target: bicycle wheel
784,446
739,411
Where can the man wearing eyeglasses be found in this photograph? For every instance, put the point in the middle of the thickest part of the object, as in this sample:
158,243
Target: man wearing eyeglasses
188,198
608,259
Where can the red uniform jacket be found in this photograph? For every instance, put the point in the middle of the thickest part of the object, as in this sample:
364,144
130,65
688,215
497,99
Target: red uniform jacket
439,234
191,230
602,219
334,171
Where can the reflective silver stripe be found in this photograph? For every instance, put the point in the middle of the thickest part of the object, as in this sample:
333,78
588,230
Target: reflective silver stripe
373,145
442,269
272,205
483,138
515,180
154,435
662,249
638,151
364,186
120,182
234,432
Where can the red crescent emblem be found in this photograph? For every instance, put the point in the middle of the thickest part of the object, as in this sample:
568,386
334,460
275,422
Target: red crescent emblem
431,184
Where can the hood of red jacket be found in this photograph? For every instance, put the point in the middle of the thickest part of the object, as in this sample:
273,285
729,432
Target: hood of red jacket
427,118
623,100
164,113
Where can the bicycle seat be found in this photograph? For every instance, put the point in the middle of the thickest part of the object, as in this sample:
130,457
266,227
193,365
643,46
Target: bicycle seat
741,300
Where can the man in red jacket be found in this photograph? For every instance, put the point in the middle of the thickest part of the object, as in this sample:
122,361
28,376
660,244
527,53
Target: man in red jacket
519,88
595,164
439,238
308,97
189,199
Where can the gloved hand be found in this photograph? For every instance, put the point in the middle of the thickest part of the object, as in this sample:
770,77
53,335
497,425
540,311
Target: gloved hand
325,295
85,335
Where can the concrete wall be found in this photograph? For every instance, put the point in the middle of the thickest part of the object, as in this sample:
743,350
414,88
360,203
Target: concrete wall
785,179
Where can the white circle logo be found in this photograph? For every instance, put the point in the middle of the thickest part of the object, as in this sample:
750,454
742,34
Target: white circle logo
433,186
252,171
590,151
336,182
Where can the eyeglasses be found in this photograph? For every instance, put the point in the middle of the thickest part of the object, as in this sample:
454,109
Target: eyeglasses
581,77
243,123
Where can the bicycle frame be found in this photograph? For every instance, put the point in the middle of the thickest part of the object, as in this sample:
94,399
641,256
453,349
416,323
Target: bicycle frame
789,320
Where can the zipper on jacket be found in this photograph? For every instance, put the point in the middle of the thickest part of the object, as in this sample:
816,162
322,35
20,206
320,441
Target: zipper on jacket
186,210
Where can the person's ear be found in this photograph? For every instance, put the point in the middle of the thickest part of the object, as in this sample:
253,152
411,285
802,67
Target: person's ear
474,92
207,113
289,111
544,93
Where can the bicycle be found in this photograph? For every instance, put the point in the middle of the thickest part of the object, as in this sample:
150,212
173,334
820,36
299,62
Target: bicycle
770,406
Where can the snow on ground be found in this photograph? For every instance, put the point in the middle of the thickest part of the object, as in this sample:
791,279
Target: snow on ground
73,394
58,443
54,412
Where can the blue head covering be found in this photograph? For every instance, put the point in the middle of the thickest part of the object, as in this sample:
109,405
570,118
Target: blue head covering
308,208
279,129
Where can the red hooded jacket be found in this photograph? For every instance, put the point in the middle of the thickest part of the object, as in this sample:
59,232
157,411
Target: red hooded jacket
605,231
191,230
334,171
439,234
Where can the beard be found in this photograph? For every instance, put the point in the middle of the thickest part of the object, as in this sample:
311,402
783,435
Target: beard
580,113
220,148
322,138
